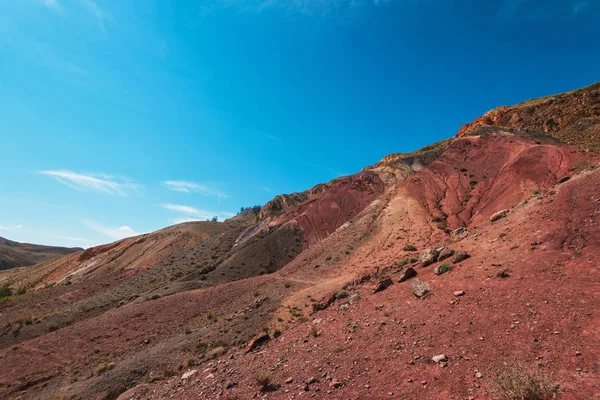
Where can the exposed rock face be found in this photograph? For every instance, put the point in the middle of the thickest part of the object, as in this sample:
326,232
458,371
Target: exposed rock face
572,117
282,203
258,341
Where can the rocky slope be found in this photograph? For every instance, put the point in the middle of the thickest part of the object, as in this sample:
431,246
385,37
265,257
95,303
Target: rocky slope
316,294
15,254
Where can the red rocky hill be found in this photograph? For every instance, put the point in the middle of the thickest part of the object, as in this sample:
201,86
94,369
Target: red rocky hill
315,295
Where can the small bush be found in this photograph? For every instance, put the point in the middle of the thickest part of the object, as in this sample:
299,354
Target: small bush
409,247
514,381
264,381
5,291
342,294
216,352
314,332
287,285
445,268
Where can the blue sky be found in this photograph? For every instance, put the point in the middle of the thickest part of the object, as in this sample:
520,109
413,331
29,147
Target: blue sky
122,117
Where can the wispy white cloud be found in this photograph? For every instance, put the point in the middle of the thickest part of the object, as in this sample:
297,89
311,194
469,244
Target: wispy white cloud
10,227
192,187
195,214
96,12
69,238
92,182
523,10
267,189
273,138
52,4
115,233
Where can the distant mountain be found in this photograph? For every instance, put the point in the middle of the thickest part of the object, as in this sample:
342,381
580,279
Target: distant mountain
15,254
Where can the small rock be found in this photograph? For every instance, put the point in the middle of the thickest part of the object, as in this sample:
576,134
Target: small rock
563,179
382,285
336,384
189,374
460,256
439,358
423,382
230,385
420,288
578,369
311,380
478,375
503,273
459,293
577,353
499,215
289,380
407,274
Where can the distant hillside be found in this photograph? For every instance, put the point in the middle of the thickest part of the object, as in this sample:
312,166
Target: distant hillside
15,254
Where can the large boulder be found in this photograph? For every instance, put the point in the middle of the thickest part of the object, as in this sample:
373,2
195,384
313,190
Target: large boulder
446,252
428,257
258,341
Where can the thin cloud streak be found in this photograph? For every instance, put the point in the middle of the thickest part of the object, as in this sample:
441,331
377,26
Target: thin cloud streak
192,187
91,182
73,239
195,214
11,227
114,233
96,12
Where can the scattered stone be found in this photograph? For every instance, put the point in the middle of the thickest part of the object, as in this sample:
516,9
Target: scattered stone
439,358
407,274
420,288
354,298
336,384
258,341
289,380
577,353
459,234
460,256
563,179
522,203
478,375
136,392
189,374
382,285
230,385
311,380
428,257
503,273
498,215
459,293
446,252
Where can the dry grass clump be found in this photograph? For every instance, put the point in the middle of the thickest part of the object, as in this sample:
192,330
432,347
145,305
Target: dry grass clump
515,382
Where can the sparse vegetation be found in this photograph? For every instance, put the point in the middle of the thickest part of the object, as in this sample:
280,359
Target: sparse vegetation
513,381
409,247
342,294
255,209
5,291
445,268
264,381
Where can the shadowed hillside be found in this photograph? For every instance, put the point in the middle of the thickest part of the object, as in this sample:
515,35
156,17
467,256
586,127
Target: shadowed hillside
14,254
